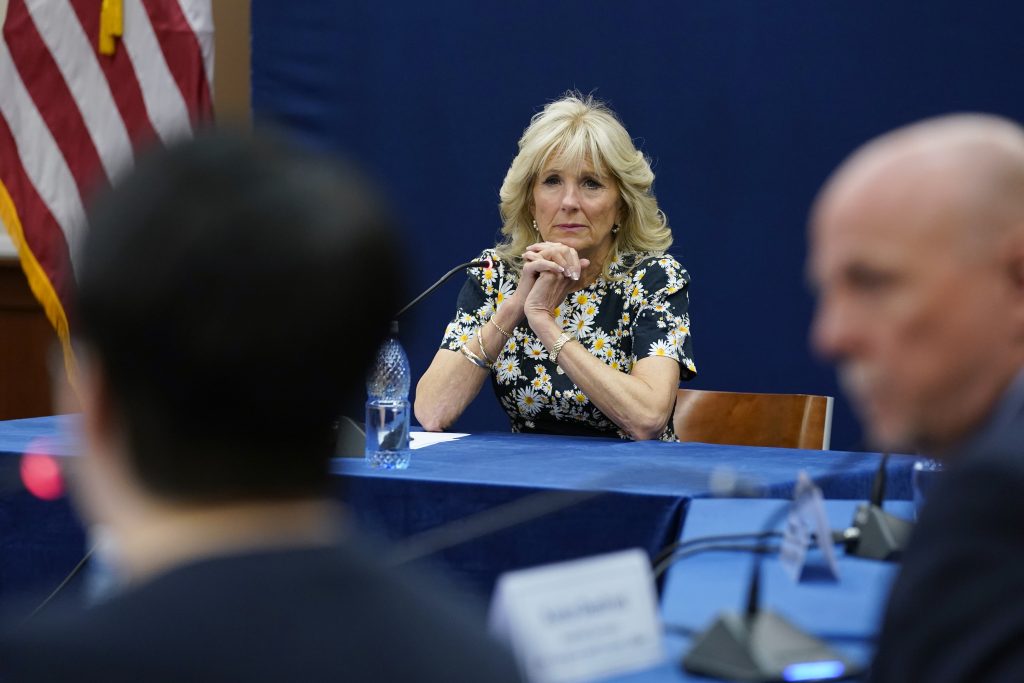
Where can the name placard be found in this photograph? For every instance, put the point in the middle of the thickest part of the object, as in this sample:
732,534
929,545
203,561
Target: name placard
580,620
808,518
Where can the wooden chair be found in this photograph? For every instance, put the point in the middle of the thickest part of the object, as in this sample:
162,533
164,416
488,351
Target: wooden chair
781,420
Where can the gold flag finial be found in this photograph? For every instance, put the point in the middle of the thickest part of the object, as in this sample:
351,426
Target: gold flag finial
111,25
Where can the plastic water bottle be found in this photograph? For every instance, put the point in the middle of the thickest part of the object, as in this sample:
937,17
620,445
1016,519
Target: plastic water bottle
387,407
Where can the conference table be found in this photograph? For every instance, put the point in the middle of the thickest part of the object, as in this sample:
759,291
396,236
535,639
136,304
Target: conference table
484,504
641,493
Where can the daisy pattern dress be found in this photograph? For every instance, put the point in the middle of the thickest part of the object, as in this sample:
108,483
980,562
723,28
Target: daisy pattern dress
640,310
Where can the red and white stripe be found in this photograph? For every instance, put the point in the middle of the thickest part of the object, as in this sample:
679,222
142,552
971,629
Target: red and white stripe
71,119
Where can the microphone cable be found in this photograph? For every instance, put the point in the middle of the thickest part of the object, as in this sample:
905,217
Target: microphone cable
703,544
60,587
670,550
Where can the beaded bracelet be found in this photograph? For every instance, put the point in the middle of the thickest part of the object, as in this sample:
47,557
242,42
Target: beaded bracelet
500,328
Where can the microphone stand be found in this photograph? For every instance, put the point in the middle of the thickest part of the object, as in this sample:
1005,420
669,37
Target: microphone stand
876,534
760,645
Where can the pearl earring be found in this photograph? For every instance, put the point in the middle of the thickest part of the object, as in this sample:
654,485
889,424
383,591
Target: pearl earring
535,229
615,228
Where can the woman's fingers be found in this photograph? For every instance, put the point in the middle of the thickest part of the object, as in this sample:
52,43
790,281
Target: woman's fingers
554,255
573,269
558,253
542,265
534,266
547,293
533,257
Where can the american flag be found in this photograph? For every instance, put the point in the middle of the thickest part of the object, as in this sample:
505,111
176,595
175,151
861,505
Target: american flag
83,85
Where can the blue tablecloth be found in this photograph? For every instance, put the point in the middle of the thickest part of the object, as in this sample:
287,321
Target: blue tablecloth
646,486
40,540
846,613
646,467
645,489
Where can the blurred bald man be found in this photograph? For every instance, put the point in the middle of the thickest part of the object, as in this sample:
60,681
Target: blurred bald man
917,253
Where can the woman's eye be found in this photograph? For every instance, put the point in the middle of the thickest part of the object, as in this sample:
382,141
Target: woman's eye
592,184
552,180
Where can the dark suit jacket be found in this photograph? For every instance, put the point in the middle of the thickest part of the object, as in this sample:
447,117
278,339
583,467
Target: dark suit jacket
956,612
307,615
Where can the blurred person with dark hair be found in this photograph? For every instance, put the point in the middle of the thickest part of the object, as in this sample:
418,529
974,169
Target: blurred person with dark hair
221,323
917,252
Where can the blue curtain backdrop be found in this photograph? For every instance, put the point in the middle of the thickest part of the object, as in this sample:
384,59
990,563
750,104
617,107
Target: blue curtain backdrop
744,107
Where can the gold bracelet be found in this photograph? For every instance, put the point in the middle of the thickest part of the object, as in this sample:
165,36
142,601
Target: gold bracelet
480,341
562,340
500,328
473,358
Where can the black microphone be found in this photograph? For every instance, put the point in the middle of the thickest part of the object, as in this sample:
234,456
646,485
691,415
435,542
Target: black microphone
875,534
760,645
486,263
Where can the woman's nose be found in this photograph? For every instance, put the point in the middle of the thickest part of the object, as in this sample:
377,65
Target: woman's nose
570,199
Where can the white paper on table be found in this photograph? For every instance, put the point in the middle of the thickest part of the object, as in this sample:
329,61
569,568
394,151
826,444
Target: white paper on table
424,439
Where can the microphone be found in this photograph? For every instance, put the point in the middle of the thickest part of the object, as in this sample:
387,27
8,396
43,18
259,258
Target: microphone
762,646
485,263
875,534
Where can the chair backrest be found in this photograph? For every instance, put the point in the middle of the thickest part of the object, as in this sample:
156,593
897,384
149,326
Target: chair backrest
781,420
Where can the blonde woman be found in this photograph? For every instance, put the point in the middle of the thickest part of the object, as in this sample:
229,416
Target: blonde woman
582,320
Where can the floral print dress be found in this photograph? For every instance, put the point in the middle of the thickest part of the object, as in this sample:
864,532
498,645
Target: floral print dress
640,310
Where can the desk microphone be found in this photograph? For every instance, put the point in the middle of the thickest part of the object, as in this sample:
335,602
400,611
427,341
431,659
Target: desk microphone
875,534
762,646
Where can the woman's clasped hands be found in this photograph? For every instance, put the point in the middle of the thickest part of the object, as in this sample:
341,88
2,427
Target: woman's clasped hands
550,272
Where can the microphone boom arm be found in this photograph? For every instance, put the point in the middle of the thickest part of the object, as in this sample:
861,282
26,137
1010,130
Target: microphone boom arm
444,278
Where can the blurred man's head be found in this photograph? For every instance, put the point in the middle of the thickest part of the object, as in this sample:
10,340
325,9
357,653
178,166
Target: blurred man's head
917,253
231,294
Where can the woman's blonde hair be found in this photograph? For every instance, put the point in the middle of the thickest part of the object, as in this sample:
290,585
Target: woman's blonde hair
577,129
